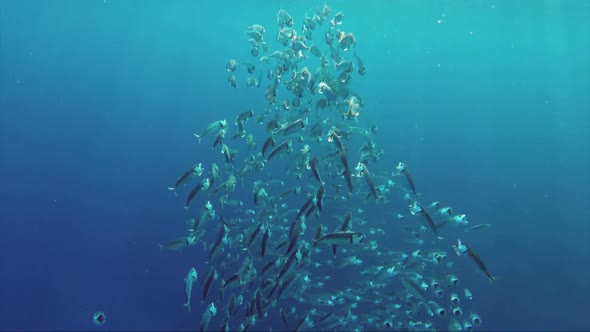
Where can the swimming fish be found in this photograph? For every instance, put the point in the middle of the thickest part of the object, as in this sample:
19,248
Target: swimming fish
204,185
190,279
196,169
341,238
221,124
462,249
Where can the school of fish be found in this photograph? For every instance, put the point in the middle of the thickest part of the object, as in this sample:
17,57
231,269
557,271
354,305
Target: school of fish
330,239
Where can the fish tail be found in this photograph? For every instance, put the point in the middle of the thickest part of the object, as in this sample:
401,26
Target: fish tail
492,279
198,137
315,243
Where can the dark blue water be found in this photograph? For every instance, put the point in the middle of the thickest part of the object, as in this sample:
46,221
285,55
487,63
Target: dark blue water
99,100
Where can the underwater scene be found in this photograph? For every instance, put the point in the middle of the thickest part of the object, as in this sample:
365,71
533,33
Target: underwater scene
294,165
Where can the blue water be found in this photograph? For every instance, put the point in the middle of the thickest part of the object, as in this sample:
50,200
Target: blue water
490,107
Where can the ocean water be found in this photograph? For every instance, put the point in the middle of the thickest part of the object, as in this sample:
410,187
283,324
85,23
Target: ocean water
487,102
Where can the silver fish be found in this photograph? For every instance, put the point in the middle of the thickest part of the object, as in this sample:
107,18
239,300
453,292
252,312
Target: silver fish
190,279
341,238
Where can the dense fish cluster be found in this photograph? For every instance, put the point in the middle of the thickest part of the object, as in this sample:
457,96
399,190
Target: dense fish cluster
329,238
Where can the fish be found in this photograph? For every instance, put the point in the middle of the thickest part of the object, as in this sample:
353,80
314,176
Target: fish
270,142
231,65
286,145
346,40
258,299
348,177
462,249
221,124
265,237
367,175
313,165
284,318
207,315
315,51
244,116
196,169
333,137
190,279
182,242
360,64
212,276
326,90
305,207
345,227
214,174
231,280
256,27
427,217
284,19
255,34
219,138
229,185
341,238
402,169
227,154
241,132
319,197
255,233
250,67
233,81
215,247
292,127
292,190
345,66
478,227
203,185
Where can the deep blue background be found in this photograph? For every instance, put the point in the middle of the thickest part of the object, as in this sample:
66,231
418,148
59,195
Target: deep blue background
99,100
